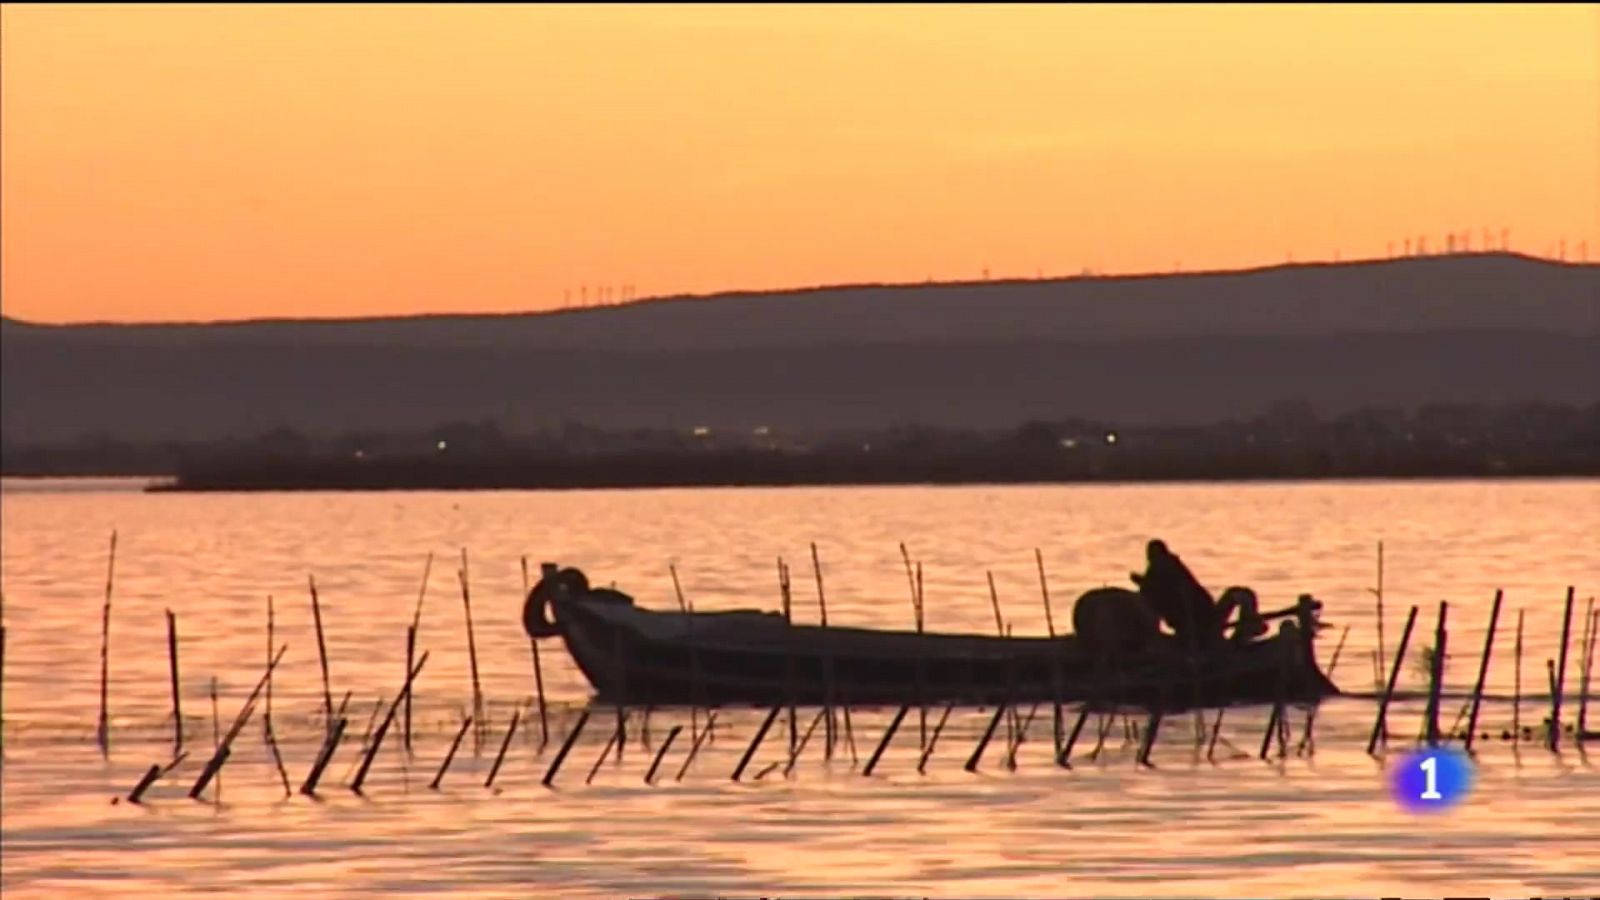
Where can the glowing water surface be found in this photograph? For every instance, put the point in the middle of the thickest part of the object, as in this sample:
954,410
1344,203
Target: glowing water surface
1298,827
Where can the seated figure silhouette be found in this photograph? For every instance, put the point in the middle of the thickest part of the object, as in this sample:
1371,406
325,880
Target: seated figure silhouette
1177,597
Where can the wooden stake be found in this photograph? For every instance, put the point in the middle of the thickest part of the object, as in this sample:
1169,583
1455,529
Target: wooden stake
277,759
1588,670
472,657
1516,694
650,776
786,596
322,657
450,755
695,689
711,720
750,751
1561,676
1307,744
888,735
224,744
933,739
1216,732
1379,594
504,746
416,623
827,662
914,584
330,746
538,670
266,719
1150,737
794,755
988,733
566,747
177,704
103,729
153,775
1436,674
1394,678
388,719
1483,670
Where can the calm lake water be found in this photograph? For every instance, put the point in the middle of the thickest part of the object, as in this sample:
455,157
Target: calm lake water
1313,826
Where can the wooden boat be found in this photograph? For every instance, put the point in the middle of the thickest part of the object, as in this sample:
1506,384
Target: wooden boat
633,655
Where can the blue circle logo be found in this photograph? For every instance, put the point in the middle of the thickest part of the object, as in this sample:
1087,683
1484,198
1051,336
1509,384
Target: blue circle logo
1431,780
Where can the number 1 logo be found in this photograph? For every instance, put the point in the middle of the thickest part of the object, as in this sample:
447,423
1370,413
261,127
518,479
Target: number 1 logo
1431,780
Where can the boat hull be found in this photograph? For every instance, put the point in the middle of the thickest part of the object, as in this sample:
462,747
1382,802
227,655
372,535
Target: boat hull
644,657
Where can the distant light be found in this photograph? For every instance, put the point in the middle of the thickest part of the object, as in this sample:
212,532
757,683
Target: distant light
866,448
1069,443
1111,437
702,431
441,445
361,454
763,430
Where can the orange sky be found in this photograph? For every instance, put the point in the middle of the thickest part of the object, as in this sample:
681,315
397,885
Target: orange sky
167,162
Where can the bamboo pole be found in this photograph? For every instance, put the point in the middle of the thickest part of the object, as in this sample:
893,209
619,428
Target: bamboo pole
224,744
103,728
605,752
1394,677
1436,674
1216,732
566,747
661,752
504,746
794,755
177,703
988,733
1379,594
472,658
1149,744
1516,693
538,669
216,733
694,749
1064,749
1561,675
1483,670
155,773
755,742
914,584
888,735
416,622
277,760
330,746
1307,742
1056,724
388,720
266,719
696,689
322,657
827,662
450,755
1588,670
787,597
933,739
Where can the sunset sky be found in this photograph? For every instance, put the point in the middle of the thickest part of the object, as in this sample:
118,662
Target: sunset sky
171,163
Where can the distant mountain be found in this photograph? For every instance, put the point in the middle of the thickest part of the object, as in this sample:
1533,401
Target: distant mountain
1484,328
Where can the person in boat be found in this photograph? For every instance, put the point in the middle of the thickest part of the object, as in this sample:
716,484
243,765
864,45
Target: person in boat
1177,597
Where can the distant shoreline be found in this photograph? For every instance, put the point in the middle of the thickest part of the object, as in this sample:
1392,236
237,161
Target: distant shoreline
734,471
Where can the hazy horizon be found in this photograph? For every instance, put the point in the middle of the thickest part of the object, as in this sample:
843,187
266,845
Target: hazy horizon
731,293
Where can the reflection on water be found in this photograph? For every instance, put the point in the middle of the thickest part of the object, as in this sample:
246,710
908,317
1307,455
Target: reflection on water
1242,827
